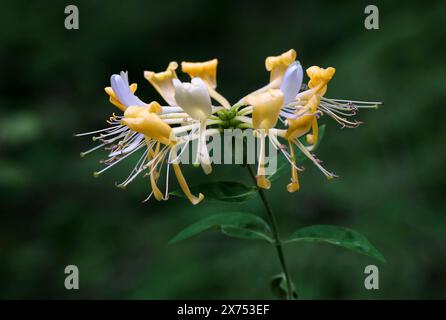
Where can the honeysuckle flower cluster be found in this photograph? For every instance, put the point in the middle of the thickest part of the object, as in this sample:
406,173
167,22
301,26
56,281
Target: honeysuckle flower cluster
285,111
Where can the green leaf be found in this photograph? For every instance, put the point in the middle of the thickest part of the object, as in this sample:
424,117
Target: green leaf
340,236
226,191
280,288
284,165
234,224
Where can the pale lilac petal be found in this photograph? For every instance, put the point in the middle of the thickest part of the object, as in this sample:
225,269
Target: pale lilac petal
288,115
292,81
121,88
135,143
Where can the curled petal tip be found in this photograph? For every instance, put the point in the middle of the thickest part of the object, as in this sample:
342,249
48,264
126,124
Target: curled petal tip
292,187
198,199
263,183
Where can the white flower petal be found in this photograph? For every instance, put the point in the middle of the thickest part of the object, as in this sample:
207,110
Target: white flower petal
194,98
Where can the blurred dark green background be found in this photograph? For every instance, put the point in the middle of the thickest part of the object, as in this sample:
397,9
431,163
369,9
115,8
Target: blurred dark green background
391,185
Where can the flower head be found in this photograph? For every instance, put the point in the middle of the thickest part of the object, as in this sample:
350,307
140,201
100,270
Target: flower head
162,132
143,127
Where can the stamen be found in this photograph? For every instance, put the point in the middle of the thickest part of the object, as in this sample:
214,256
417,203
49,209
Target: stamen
304,150
282,149
125,146
178,121
148,198
343,121
166,110
166,193
174,115
186,143
139,167
97,131
124,128
97,173
92,149
371,103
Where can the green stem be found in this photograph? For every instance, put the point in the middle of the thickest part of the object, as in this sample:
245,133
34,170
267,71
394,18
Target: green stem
275,231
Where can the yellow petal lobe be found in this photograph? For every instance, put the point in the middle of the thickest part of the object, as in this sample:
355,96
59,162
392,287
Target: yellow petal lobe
266,108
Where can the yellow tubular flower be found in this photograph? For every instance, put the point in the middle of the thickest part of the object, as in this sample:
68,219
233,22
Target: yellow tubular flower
114,99
296,129
182,181
265,113
277,65
162,82
293,186
302,124
154,107
266,108
262,181
141,120
207,71
319,77
154,175
312,138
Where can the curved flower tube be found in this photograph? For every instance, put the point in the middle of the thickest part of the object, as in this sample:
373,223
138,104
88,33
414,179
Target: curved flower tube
266,110
277,66
162,82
